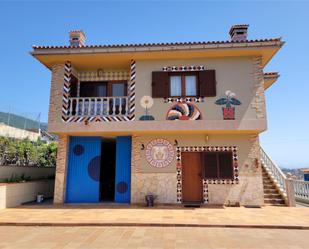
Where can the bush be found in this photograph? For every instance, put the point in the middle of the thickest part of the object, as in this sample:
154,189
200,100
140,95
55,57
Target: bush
24,152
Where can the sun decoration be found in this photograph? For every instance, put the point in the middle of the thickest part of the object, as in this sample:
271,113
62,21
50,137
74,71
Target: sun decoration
146,102
159,153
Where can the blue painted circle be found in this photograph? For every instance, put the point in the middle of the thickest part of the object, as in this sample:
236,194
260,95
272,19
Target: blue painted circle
122,187
94,168
78,150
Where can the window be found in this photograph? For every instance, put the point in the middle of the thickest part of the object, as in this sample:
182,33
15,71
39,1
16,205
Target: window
173,84
103,89
93,89
218,165
183,85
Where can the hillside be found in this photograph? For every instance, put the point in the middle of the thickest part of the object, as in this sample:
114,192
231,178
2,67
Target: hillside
21,122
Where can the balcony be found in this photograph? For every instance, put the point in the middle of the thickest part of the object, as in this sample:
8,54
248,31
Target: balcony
98,106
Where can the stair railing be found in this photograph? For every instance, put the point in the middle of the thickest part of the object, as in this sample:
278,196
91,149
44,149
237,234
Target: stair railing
283,184
274,171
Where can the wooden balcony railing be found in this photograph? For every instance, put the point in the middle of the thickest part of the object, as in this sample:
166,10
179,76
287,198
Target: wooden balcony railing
98,106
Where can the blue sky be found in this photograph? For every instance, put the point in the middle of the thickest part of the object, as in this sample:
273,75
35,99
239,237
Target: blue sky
25,83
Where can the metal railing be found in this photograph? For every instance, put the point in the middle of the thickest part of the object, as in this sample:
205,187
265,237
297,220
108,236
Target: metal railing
98,106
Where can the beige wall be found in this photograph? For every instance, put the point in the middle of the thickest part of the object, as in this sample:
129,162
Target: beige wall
162,181
235,74
242,75
33,172
15,194
13,132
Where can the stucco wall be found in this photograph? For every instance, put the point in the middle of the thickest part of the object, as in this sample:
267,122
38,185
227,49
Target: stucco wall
162,181
234,73
241,75
15,194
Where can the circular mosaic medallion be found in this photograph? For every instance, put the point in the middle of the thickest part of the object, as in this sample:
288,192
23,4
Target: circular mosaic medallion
159,153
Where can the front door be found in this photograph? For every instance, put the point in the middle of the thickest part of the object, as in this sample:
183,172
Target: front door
192,183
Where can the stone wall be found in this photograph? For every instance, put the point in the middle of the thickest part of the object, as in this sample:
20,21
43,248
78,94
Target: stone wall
163,185
61,168
146,179
258,88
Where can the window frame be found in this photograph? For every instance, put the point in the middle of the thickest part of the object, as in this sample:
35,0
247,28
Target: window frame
218,167
183,83
109,87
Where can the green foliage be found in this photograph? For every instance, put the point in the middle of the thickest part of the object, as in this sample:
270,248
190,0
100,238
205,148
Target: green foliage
25,152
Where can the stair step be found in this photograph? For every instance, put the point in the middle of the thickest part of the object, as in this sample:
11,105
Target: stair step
274,201
272,196
270,191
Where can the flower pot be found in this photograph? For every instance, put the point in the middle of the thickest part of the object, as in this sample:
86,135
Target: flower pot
228,113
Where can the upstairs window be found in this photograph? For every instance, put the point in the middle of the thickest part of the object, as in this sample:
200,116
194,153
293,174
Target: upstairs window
103,89
218,165
183,85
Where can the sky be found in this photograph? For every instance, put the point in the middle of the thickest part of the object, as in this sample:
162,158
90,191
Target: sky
24,83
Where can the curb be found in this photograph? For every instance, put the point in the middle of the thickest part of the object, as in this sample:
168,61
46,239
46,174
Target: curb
47,224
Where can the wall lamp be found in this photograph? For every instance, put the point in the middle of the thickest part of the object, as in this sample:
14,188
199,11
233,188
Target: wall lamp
175,142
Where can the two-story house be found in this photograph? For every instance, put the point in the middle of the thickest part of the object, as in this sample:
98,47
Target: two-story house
177,120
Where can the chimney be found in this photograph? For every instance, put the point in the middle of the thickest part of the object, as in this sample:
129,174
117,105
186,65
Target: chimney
239,32
77,38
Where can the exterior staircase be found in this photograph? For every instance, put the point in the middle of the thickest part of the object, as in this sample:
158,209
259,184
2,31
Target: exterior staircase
272,196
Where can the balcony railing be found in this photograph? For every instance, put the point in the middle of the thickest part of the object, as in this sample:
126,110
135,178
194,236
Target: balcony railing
98,106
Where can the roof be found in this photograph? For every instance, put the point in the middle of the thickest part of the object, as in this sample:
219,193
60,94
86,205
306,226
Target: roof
158,44
119,56
270,78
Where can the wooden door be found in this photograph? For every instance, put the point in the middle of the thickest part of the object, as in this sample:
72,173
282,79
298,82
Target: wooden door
192,183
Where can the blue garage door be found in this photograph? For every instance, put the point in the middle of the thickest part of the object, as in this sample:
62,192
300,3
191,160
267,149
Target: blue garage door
83,175
123,170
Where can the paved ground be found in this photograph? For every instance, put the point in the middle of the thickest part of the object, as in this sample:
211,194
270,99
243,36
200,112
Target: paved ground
151,237
129,215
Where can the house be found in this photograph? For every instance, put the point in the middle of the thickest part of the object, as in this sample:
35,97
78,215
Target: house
177,120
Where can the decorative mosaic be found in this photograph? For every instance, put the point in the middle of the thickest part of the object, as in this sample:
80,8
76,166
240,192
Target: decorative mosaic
181,100
101,75
183,68
183,111
93,76
228,100
233,149
66,90
159,153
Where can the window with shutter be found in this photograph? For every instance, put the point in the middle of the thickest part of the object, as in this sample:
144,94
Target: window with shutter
207,83
218,165
160,84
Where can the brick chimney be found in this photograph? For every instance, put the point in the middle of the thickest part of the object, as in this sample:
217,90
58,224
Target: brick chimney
239,32
77,38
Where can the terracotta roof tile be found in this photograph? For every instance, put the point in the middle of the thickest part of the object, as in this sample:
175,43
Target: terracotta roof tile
155,44
271,74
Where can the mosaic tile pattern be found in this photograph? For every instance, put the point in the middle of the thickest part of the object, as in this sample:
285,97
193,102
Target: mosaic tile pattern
183,68
186,100
233,149
103,75
66,90
94,76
